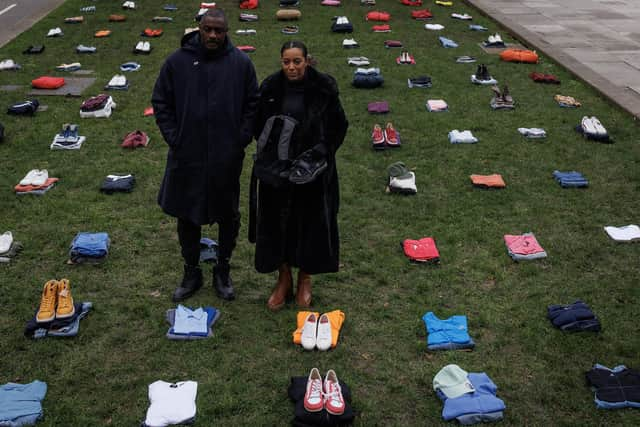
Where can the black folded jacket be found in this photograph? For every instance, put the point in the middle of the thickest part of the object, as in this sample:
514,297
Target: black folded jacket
304,418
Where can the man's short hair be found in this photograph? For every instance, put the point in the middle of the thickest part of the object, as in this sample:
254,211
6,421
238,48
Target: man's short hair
215,13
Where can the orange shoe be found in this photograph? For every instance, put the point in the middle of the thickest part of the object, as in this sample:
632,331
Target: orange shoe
377,137
47,311
65,307
391,136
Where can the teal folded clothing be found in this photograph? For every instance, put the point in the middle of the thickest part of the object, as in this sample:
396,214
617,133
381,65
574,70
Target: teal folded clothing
447,334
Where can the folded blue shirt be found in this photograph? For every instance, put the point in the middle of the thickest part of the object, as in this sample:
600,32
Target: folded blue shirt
90,244
445,42
451,330
21,402
482,401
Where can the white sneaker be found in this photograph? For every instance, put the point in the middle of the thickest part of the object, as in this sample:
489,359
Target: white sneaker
308,338
404,185
40,178
323,337
6,239
140,46
146,47
29,177
114,81
349,42
491,39
497,38
588,126
600,130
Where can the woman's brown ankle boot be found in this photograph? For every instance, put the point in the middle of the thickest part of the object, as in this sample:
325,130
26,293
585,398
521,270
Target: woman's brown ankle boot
283,289
303,293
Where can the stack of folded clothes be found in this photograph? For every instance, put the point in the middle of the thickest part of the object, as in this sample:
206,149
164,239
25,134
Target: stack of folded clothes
118,184
566,101
447,334
21,403
208,250
615,388
358,61
544,78
89,248
350,44
465,59
384,28
571,179
117,82
47,82
36,182
190,324
434,27
469,398
97,106
573,317
464,137
401,179
367,78
494,40
487,181
533,133
9,248
591,128
28,108
502,100
74,66
392,43
8,64
34,49
330,2
57,315
420,82
524,247
135,139
378,107
437,105
423,250
627,233
421,15
248,17
448,43
341,25
68,139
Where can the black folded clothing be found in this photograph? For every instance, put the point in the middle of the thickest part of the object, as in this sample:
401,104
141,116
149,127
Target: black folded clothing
304,418
573,317
420,81
342,28
33,324
118,184
28,107
33,50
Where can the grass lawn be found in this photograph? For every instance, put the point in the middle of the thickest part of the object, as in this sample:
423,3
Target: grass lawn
101,376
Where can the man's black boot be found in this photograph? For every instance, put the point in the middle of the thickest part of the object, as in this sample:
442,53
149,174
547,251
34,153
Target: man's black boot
191,282
222,281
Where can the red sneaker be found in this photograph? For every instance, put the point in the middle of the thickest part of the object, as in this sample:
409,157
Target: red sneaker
313,399
334,403
377,137
391,136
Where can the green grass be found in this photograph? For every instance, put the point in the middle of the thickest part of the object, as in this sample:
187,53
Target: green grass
101,376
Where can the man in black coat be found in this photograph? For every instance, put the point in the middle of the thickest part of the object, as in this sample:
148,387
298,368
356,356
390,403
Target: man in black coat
204,102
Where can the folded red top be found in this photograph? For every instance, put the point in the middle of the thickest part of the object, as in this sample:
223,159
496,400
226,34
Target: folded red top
47,82
378,16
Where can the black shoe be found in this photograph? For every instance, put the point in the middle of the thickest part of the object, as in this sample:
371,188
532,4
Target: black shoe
222,282
479,72
485,73
191,282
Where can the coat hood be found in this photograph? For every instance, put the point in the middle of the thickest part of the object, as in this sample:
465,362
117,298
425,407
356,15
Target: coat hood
191,42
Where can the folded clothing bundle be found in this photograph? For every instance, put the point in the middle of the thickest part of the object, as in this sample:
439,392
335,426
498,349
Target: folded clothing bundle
573,317
421,15
378,107
392,43
341,25
97,106
488,181
533,133
437,105
420,82
464,137
190,324
47,82
118,184
367,78
68,327
544,78
379,16
28,107
447,334
627,233
37,190
524,247
519,55
288,15
615,388
566,101
89,248
401,179
448,43
421,250
571,179
21,403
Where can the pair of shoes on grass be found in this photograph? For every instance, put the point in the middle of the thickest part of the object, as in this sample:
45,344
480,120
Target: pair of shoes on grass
387,137
56,301
316,332
325,394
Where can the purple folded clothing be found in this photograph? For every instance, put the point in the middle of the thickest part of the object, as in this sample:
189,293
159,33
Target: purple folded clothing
378,107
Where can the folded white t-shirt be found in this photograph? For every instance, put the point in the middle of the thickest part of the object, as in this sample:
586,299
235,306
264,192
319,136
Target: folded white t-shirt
626,233
171,403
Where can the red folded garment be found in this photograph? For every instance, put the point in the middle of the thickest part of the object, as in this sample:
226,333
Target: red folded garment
393,43
411,2
544,78
249,4
378,16
421,14
246,48
46,82
381,28
423,250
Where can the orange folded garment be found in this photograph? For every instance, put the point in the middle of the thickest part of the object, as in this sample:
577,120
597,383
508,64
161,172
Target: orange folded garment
300,319
519,55
23,188
102,33
488,181
47,82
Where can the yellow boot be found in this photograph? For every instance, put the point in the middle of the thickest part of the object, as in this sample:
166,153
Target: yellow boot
65,308
47,310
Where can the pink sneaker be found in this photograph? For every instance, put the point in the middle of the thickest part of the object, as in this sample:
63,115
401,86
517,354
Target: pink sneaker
377,137
334,403
391,136
313,399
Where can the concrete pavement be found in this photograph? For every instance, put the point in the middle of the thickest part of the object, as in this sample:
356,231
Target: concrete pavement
597,40
17,16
